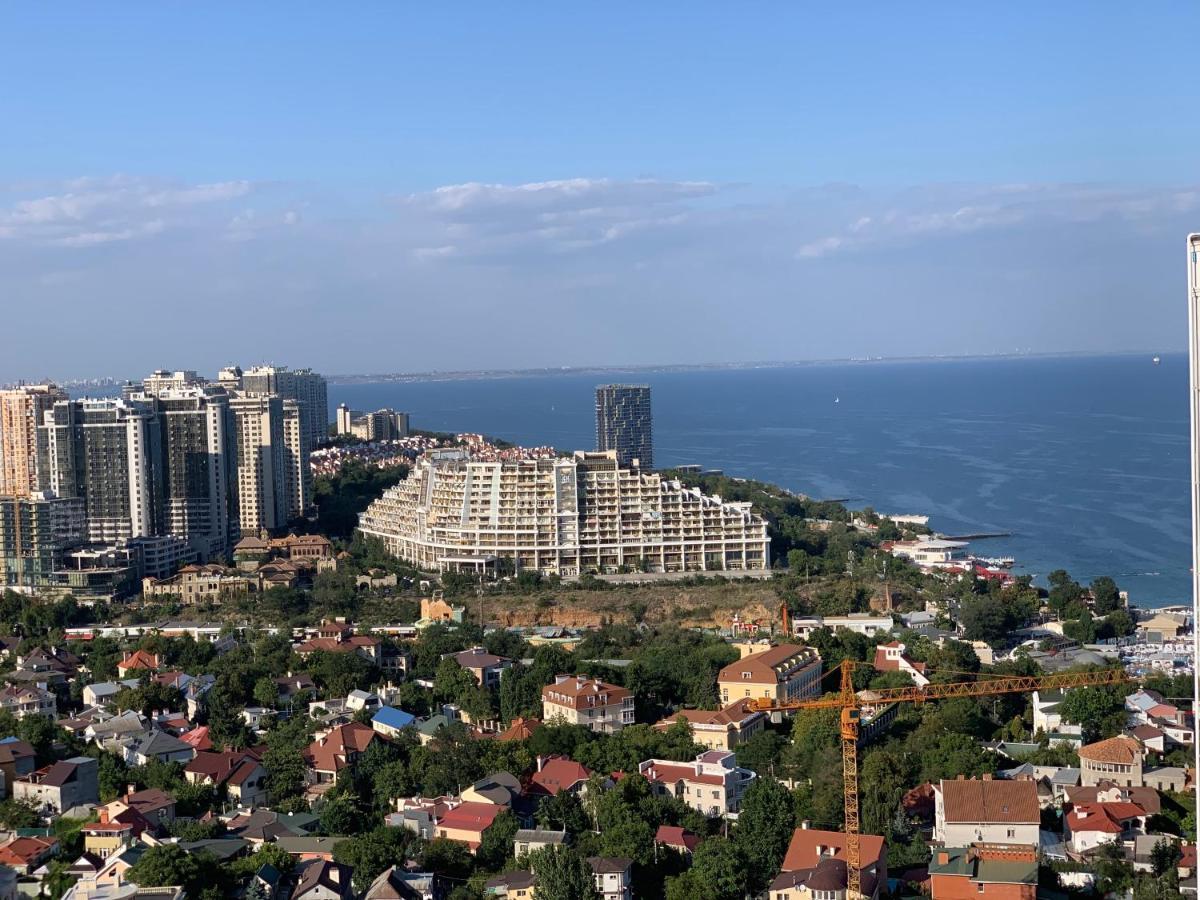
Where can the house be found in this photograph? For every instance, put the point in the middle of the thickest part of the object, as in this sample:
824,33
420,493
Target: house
860,623
1046,716
25,854
720,729
419,814
358,700
390,721
520,729
1088,825
598,706
786,672
319,879
397,884
713,784
239,771
113,831
500,789
158,746
484,667
116,729
1007,873
678,839
62,786
511,886
891,657
198,738
137,662
1117,759
530,840
17,758
435,609
558,773
466,823
1150,736
337,749
29,700
1108,792
257,718
264,826
290,685
808,856
155,806
1161,627
102,692
987,810
338,637
614,876
1166,778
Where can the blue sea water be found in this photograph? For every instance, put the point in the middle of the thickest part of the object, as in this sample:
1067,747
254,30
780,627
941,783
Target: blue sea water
1084,460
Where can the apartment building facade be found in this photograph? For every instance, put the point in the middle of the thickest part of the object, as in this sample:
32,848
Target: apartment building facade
564,517
21,412
624,423
36,534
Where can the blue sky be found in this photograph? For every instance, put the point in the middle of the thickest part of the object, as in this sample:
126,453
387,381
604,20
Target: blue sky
406,187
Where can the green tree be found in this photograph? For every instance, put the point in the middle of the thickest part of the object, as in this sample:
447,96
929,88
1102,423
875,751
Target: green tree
496,845
764,828
373,852
1100,709
720,868
563,812
562,874
1106,596
171,865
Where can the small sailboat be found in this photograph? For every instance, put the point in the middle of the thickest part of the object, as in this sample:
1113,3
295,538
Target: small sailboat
1157,360
837,399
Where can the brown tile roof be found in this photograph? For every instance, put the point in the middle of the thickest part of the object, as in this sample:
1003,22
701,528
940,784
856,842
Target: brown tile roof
138,659
1121,750
989,800
764,667
25,851
575,692
14,751
521,729
333,752
559,773
802,851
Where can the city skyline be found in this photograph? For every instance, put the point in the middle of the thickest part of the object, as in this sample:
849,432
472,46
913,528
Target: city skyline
861,185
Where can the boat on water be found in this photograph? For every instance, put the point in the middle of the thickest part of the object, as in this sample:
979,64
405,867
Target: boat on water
1157,360
997,562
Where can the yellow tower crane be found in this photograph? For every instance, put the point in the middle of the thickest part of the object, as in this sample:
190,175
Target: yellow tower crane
847,701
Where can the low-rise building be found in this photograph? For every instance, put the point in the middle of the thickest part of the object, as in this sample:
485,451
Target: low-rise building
718,729
558,773
337,749
786,672
28,700
866,624
891,657
992,871
320,879
1117,759
713,784
158,746
484,667
390,721
61,786
598,706
1088,825
466,822
531,840
815,866
24,855
17,758
614,876
986,810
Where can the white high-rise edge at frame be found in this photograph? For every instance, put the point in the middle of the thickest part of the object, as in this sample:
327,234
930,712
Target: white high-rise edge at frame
1193,257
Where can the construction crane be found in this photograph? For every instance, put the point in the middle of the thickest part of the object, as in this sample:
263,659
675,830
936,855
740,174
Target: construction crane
848,702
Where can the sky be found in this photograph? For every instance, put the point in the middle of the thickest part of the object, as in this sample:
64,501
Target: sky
392,187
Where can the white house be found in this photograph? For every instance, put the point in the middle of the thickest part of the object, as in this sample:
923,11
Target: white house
969,811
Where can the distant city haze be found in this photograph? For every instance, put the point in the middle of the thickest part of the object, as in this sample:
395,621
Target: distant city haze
418,190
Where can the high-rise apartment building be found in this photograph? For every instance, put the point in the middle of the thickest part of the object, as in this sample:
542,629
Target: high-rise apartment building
197,463
261,468
623,423
304,386
298,481
107,452
36,534
561,517
21,412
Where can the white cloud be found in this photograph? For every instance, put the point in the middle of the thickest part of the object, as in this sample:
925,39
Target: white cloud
86,212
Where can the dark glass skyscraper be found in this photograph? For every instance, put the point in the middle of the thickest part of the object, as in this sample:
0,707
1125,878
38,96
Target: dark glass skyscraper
623,423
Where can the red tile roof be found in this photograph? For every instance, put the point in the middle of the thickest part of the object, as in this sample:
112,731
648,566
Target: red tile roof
674,836
558,773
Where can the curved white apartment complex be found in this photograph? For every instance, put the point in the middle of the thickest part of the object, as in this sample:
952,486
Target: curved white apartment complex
561,517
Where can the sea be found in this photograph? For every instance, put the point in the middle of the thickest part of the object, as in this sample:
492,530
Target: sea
1082,461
